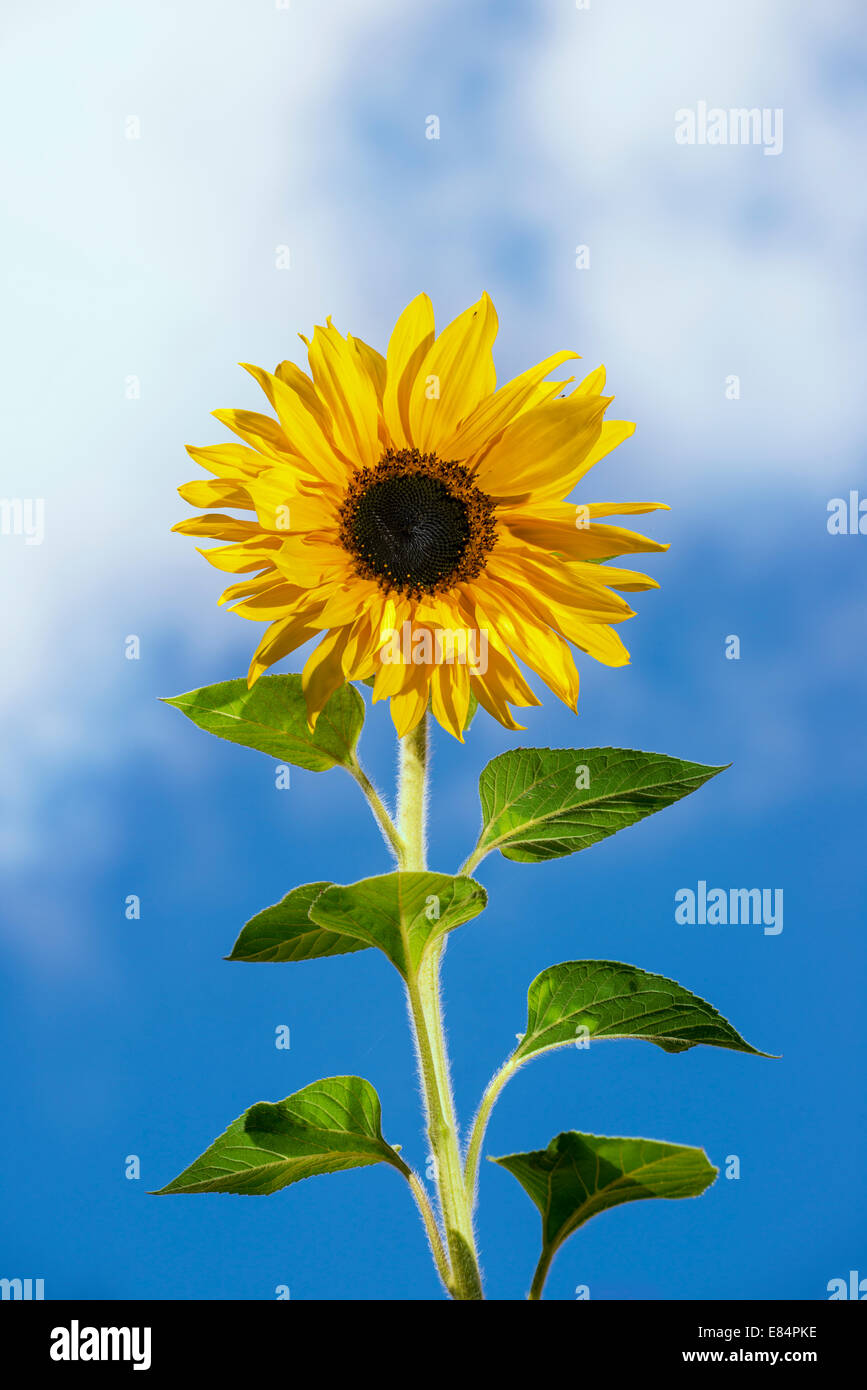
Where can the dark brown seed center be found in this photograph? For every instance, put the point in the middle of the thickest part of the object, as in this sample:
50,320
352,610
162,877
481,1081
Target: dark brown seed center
416,523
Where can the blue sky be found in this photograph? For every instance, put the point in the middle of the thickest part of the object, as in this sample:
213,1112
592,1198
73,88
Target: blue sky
154,258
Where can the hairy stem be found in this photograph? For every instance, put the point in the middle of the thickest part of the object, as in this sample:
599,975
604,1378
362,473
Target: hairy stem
431,1227
412,796
383,819
424,1003
541,1275
480,1125
473,862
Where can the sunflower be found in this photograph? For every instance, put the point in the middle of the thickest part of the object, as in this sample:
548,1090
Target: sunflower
411,515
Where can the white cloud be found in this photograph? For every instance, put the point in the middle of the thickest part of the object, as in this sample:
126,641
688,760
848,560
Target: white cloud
708,260
155,258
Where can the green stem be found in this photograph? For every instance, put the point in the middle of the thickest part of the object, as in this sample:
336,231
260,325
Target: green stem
541,1275
473,862
383,819
424,1003
480,1124
431,1227
412,796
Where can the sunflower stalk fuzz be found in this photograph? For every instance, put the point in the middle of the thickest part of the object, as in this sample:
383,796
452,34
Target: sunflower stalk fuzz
409,518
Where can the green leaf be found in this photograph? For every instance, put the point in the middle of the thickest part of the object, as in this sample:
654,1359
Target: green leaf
272,718
325,1128
542,803
285,933
472,710
401,913
612,1000
581,1175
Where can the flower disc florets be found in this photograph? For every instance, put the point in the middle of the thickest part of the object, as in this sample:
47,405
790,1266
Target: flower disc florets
416,524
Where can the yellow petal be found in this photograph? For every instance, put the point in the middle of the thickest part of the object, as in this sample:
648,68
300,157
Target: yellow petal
373,363
299,382
310,559
279,600
390,679
208,492
279,640
504,680
542,649
358,660
300,426
503,677
241,558
246,587
218,527
498,709
348,392
595,638
450,697
629,581
260,431
407,708
623,508
412,336
284,508
613,432
495,412
543,393
323,673
569,532
230,460
457,372
502,684
389,614
546,448
571,583
592,385
347,602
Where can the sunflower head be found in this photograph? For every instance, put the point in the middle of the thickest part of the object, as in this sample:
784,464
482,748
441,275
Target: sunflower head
410,514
